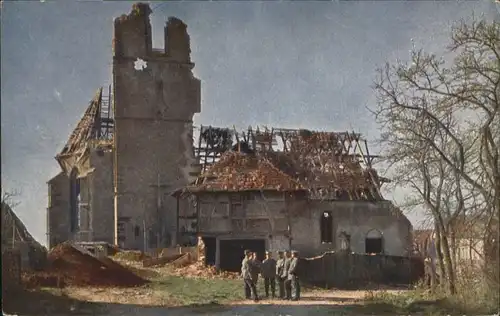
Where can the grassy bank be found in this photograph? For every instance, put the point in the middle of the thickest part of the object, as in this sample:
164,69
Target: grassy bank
189,291
465,302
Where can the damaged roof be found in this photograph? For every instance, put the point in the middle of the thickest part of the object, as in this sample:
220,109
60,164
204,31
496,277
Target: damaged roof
87,133
14,230
329,165
284,171
239,171
85,129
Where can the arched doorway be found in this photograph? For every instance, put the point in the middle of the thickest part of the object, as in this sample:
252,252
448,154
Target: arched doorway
374,242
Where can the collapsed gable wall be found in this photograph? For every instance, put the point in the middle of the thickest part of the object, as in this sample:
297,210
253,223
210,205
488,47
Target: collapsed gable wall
154,108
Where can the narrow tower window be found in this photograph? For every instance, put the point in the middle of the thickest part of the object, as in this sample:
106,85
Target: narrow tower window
326,227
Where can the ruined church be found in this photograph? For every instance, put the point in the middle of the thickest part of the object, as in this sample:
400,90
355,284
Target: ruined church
133,173
133,145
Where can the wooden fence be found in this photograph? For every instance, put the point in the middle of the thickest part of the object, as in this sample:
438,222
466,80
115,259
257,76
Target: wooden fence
348,270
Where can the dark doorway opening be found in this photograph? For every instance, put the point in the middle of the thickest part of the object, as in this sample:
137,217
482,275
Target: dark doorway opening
231,252
373,245
210,246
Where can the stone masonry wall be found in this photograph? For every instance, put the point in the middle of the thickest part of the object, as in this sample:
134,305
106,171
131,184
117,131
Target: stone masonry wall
58,210
102,201
357,219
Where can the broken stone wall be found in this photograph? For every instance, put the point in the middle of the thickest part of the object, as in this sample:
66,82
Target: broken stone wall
58,219
154,108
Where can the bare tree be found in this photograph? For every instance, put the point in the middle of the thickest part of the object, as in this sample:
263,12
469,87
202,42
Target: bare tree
8,198
441,126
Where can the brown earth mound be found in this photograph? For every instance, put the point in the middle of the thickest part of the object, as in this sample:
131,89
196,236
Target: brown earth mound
73,267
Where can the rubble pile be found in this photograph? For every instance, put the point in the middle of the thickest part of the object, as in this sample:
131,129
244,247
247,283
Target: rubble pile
130,255
69,266
199,270
194,266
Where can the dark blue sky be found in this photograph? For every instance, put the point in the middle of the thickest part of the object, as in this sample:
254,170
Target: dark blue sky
288,64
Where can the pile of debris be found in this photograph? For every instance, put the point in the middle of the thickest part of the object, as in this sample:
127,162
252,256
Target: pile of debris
199,270
130,255
71,266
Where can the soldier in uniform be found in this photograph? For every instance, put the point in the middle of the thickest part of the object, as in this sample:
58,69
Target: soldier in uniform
254,268
284,275
246,267
293,276
268,272
280,264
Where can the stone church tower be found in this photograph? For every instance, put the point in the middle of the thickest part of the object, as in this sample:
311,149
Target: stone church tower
155,98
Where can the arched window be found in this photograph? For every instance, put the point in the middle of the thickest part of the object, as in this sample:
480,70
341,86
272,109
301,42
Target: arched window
74,194
326,227
374,242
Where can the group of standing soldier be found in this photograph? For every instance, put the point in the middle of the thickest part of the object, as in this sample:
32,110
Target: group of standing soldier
284,271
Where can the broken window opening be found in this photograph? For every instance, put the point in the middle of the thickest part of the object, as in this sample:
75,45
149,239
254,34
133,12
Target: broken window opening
374,242
326,227
137,231
140,64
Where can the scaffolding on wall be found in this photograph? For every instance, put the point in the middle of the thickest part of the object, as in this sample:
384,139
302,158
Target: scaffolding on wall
106,117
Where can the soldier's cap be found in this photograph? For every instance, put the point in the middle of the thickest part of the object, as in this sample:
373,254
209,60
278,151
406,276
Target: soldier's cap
268,252
247,251
280,251
294,251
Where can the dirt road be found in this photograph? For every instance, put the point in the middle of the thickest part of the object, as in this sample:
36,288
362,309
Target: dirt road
312,303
